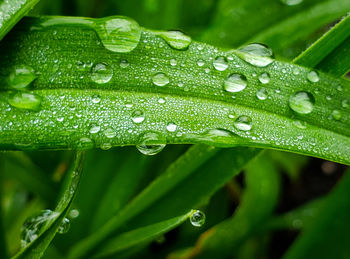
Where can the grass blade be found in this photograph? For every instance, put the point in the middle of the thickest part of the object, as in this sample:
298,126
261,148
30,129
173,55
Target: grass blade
325,135
258,202
37,248
333,218
11,12
140,235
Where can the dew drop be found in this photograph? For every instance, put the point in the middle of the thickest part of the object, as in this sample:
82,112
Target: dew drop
256,54
197,218
124,63
345,104
313,77
243,123
101,73
94,129
138,116
161,100
33,226
160,79
302,102
176,39
173,62
300,124
106,146
64,226
220,63
109,133
74,213
26,101
151,143
84,143
171,127
261,94
200,62
264,78
118,34
235,83
21,77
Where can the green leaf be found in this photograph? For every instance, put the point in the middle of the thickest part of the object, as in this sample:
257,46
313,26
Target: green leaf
286,33
141,235
3,243
329,52
328,234
68,114
37,247
259,201
11,12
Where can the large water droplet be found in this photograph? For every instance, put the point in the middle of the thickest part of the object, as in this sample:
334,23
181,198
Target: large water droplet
24,100
243,122
64,226
171,127
235,83
264,78
138,116
151,143
256,54
313,77
21,77
33,226
176,39
197,218
220,63
94,129
160,79
101,73
291,2
261,94
118,34
302,102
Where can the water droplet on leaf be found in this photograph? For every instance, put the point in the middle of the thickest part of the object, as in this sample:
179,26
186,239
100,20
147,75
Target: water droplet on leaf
118,34
235,83
176,39
264,78
24,100
101,73
160,79
302,102
243,123
261,94
171,127
138,116
64,226
313,77
220,63
256,54
21,77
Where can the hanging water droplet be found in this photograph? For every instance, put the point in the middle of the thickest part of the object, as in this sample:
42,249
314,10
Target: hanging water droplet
151,143
160,79
94,129
21,77
171,127
235,83
106,146
220,63
197,218
291,2
336,114
33,226
261,94
109,133
243,122
118,34
176,39
302,102
264,78
24,100
313,77
85,143
64,226
138,116
256,54
101,73
124,63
